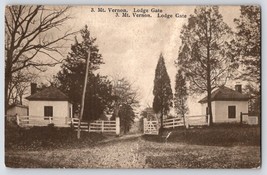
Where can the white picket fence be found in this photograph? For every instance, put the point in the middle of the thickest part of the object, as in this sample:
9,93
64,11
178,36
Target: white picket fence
173,122
100,126
248,119
252,120
29,121
197,120
152,127
112,126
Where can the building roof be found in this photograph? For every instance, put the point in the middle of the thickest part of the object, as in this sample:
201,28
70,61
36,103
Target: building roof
226,94
48,94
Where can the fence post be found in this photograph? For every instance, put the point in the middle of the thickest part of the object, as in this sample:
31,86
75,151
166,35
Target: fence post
187,122
117,126
102,126
144,124
208,120
241,118
17,118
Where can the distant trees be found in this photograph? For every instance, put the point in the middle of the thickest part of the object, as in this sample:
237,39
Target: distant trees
248,42
180,96
162,90
248,51
26,38
98,96
125,92
126,115
126,99
204,55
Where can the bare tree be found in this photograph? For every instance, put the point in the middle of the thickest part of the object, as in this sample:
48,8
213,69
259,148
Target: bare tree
205,56
126,99
18,87
125,91
27,31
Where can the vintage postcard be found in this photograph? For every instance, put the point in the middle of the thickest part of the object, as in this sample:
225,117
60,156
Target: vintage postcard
133,86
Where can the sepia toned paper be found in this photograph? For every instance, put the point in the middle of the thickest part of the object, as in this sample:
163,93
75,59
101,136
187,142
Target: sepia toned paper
166,87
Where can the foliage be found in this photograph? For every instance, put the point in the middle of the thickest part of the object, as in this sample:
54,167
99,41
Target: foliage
180,96
126,115
205,55
28,34
125,92
148,113
162,90
71,78
248,42
126,98
254,104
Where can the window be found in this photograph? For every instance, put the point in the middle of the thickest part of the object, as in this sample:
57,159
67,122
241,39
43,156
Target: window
231,112
48,111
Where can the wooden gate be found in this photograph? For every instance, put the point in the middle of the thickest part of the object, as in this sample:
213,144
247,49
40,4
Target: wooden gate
151,127
101,126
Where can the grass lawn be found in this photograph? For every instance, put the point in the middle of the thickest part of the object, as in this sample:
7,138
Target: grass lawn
214,147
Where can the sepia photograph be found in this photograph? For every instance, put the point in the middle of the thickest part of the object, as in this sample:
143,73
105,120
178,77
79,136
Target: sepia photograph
136,87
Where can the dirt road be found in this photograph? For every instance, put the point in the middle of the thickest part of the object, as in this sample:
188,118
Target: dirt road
136,152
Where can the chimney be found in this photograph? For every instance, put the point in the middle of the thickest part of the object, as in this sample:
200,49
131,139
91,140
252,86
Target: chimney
238,88
33,88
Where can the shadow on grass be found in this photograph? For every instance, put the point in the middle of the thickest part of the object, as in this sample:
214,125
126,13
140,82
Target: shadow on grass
220,135
193,161
48,137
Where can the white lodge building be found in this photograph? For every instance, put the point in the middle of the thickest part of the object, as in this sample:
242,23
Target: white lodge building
49,102
227,104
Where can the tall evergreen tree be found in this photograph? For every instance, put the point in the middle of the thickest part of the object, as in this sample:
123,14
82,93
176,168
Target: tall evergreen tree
162,90
204,55
71,78
180,95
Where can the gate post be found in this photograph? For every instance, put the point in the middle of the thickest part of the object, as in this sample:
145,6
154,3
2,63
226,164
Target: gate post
117,126
241,118
144,125
102,126
17,117
187,122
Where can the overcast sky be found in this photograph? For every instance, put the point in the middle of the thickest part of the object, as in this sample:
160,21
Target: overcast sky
131,46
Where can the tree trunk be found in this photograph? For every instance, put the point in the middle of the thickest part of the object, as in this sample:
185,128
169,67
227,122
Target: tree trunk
184,119
209,81
161,123
7,82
